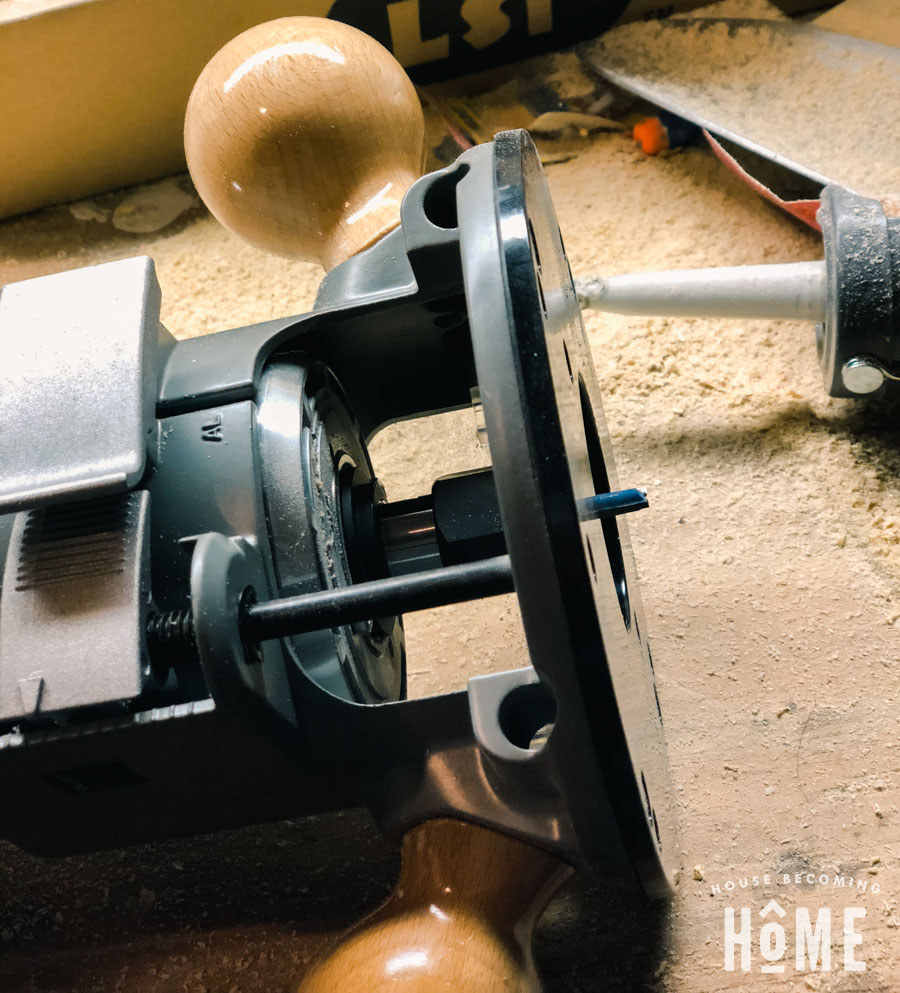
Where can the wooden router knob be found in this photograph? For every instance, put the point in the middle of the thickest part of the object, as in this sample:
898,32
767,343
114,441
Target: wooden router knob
302,135
460,918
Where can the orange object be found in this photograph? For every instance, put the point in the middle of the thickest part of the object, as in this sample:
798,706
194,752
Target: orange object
804,210
652,135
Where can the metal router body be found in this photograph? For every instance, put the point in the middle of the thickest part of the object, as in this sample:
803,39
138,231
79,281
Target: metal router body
147,486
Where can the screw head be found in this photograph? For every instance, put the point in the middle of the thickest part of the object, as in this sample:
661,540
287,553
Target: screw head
862,375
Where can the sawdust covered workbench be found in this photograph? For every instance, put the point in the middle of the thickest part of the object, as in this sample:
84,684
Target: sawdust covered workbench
770,573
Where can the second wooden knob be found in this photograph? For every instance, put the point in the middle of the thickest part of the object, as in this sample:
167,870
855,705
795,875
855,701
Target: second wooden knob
302,135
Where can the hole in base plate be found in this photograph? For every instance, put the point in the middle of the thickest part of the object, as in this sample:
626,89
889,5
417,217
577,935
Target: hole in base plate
439,202
601,485
527,715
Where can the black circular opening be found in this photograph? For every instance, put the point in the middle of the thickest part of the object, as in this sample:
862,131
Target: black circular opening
601,485
568,362
538,268
527,713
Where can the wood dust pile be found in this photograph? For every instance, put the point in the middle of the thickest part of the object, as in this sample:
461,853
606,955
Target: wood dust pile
833,110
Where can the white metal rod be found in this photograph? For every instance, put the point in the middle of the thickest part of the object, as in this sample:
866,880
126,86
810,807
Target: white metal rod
792,290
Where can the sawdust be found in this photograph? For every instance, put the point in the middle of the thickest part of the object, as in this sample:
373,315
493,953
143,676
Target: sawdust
741,8
154,207
830,109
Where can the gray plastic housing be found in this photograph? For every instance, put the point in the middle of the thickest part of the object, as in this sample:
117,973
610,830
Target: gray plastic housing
78,382
240,738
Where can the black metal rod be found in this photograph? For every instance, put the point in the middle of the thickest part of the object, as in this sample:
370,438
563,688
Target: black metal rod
379,598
